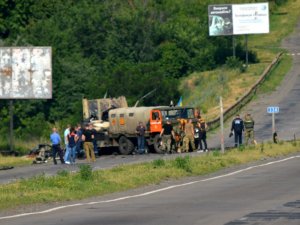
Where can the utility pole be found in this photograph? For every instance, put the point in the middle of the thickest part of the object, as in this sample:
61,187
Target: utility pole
222,125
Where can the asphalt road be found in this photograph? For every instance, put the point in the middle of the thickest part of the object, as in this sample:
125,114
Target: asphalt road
265,193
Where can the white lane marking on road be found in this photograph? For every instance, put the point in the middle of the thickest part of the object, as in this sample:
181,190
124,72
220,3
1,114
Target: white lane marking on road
149,192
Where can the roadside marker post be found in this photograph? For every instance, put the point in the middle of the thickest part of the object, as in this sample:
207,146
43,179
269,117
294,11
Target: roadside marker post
273,110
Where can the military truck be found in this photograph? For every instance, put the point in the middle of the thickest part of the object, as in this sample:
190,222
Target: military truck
115,123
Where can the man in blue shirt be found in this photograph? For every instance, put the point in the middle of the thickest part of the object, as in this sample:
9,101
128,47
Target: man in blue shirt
55,140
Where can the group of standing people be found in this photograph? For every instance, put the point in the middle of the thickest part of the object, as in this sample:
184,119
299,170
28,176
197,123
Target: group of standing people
239,126
187,135
73,140
190,136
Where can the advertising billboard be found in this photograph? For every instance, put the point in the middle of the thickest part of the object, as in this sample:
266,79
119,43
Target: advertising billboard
238,19
220,20
25,73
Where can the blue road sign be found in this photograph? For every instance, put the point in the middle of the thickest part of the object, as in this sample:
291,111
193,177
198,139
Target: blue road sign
273,109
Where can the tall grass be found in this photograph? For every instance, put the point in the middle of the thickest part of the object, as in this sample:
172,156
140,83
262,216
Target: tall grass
11,161
277,75
22,147
202,90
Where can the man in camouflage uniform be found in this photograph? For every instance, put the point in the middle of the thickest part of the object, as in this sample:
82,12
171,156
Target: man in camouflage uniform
249,129
179,134
189,136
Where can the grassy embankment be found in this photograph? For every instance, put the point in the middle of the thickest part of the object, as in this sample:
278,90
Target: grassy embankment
66,186
203,89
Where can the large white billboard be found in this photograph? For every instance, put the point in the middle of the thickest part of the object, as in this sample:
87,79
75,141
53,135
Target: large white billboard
238,19
25,73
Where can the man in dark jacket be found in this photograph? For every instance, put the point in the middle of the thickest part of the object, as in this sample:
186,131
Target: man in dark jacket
166,133
140,132
87,138
237,127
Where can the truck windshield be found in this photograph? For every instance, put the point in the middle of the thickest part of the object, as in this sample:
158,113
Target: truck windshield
184,113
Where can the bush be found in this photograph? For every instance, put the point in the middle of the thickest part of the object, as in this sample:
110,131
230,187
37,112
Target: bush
158,163
262,147
216,153
280,2
63,173
183,163
86,172
233,62
241,148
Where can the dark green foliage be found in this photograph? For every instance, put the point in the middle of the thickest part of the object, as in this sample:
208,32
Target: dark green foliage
280,2
233,62
216,153
14,16
241,148
63,173
85,172
158,163
124,47
183,163
262,147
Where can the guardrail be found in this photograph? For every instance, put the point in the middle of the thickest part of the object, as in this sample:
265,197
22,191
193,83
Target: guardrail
232,110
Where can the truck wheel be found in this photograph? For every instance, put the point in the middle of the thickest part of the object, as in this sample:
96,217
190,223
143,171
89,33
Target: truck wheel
125,146
157,144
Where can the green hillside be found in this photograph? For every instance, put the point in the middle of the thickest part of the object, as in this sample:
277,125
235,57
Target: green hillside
202,89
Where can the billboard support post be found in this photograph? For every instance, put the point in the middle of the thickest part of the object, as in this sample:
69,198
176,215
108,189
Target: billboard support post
11,127
233,46
246,47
